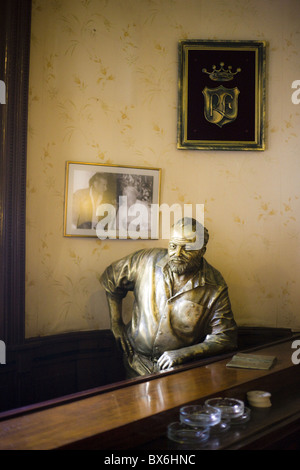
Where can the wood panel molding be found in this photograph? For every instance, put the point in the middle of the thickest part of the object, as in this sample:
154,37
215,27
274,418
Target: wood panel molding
15,21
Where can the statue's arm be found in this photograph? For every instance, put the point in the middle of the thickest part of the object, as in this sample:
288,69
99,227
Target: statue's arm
117,324
216,345
117,280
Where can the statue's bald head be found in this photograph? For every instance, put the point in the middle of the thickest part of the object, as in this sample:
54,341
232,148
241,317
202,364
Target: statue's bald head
191,231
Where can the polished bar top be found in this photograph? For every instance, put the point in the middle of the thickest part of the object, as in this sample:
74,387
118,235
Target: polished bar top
68,423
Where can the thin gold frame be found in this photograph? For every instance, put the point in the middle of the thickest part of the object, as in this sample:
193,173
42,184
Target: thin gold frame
79,182
215,142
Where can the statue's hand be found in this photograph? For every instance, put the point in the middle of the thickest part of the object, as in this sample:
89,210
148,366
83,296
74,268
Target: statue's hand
122,339
169,359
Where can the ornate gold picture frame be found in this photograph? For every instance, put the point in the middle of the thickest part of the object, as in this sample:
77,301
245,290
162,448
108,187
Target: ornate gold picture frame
221,95
111,201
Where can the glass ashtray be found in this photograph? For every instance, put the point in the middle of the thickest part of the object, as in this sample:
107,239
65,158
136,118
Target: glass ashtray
221,427
199,415
184,434
244,418
229,407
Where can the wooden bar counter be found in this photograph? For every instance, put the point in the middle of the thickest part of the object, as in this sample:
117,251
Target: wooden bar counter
135,416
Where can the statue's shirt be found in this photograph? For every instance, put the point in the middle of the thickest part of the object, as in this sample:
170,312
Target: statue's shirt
199,312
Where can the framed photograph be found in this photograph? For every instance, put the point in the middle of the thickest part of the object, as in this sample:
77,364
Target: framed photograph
221,95
110,201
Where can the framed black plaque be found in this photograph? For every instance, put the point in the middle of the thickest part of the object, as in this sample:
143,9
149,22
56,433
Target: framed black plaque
221,95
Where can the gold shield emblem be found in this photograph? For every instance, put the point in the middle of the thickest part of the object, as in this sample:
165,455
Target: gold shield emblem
220,105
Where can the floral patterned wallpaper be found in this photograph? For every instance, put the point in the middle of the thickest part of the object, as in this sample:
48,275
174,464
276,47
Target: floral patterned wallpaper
103,89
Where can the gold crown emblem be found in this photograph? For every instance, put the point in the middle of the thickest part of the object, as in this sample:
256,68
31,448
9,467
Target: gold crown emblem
221,75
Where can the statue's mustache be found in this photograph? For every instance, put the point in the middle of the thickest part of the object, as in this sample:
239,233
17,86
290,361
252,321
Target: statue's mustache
179,259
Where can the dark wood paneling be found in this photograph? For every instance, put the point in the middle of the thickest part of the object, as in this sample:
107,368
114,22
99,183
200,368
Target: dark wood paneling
50,367
15,21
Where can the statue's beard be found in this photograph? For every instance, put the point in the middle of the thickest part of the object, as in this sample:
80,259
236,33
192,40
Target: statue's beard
181,267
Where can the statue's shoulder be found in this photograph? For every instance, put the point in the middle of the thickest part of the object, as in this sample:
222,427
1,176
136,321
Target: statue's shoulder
155,254
158,252
213,275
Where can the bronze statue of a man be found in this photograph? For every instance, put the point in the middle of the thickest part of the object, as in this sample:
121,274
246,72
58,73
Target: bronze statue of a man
181,308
